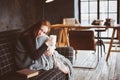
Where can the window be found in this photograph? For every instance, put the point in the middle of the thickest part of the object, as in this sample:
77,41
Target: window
97,9
90,10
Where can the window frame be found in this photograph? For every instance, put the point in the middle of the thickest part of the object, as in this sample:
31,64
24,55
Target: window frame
98,12
98,9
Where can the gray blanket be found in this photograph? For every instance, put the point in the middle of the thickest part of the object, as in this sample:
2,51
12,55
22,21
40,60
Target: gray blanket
50,62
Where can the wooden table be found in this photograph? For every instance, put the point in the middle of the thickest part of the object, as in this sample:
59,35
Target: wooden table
80,26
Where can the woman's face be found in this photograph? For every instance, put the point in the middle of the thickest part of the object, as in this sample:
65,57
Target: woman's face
43,30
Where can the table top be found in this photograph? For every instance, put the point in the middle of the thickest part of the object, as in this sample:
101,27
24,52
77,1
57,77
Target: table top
84,26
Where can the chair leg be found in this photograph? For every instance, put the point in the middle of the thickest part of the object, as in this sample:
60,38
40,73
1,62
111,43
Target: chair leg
98,50
75,54
102,44
94,52
104,48
86,66
101,50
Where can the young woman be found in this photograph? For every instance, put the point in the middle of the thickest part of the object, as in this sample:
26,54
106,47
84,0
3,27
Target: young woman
33,52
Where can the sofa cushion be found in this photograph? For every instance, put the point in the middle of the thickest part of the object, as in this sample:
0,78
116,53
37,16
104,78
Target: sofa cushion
53,74
67,52
6,51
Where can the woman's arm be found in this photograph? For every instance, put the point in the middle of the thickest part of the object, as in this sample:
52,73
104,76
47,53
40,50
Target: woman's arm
29,45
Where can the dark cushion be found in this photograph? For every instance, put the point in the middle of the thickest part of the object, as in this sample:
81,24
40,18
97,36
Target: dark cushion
67,52
53,74
7,64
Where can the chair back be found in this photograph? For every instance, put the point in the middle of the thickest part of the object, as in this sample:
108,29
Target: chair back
82,39
70,21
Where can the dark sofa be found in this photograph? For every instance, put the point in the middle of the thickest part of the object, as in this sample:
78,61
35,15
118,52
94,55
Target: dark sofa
7,62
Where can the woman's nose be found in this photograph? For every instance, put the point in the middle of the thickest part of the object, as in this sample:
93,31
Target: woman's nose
41,33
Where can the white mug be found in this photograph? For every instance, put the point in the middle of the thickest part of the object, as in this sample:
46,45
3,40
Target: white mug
54,38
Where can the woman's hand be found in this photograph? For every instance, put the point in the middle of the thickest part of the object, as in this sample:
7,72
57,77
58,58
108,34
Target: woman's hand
51,42
63,68
49,51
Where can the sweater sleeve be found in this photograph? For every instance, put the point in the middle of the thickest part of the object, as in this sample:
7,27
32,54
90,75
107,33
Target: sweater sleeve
29,44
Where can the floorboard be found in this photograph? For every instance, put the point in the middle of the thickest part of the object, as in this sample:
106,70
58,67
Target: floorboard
104,71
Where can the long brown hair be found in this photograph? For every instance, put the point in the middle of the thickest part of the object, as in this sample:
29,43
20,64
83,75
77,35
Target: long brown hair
33,30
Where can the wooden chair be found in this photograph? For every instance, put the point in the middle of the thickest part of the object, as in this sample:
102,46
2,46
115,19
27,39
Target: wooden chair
70,21
82,40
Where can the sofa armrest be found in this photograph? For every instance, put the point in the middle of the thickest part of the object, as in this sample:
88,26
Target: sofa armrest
66,51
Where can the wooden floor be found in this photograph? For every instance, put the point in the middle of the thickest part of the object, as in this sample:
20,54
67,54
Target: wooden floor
103,71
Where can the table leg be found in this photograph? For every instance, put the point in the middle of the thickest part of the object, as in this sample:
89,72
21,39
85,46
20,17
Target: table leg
66,36
60,37
63,38
110,46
